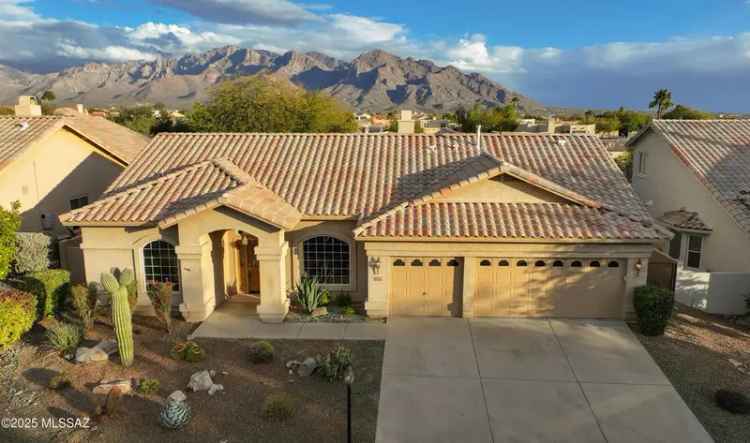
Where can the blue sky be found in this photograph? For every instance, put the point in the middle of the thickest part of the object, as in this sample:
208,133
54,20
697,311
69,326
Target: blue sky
598,54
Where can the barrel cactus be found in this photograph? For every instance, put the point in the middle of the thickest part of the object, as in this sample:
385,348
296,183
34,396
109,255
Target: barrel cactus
118,291
175,414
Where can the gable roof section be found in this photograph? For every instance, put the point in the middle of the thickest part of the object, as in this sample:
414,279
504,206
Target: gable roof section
718,153
18,133
170,198
684,220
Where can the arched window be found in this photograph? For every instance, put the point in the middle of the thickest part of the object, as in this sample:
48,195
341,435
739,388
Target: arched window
540,264
557,264
575,264
485,263
416,262
434,262
613,264
521,263
160,263
453,263
503,263
399,262
595,264
326,258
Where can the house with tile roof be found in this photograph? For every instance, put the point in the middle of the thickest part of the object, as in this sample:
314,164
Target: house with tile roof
694,176
521,225
52,164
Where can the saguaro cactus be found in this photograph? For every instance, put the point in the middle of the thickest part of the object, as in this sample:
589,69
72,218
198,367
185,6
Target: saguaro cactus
118,291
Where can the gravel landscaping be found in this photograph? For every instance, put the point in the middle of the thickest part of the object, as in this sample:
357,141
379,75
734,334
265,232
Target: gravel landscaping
701,353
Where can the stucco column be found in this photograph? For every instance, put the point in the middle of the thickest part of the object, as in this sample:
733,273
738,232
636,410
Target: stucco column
197,279
635,276
469,286
274,303
378,283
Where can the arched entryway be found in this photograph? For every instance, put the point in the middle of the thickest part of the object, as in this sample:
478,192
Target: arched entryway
236,269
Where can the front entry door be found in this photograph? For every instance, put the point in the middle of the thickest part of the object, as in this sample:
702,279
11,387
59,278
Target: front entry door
249,267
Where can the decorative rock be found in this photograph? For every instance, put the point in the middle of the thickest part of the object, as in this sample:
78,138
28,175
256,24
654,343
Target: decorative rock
104,387
214,388
177,396
293,364
200,381
319,312
86,355
212,373
108,345
307,367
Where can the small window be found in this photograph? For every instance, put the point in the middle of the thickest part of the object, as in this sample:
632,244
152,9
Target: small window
434,262
503,263
540,264
160,263
694,251
521,263
642,158
399,262
613,264
453,263
485,263
79,202
675,246
326,258
416,263
595,264
557,264
575,264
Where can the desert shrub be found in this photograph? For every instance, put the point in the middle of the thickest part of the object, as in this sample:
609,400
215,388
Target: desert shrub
51,287
148,386
278,407
32,252
64,337
261,352
17,315
160,294
310,294
348,311
10,221
654,308
188,351
84,299
343,300
732,401
59,381
333,366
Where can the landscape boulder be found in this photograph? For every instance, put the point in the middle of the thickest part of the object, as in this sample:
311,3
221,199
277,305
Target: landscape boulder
307,367
125,386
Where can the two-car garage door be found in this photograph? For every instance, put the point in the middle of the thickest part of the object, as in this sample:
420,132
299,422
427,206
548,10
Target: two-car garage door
583,288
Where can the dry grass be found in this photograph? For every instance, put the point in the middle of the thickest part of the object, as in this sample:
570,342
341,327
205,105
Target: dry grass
234,414
694,353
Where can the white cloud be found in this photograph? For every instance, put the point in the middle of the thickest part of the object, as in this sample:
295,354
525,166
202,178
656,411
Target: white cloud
176,38
107,53
473,54
17,10
365,30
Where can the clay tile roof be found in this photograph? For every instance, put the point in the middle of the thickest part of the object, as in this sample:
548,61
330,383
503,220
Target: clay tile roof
718,153
512,221
17,133
682,219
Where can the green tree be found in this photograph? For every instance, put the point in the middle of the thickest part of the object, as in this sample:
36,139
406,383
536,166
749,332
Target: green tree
662,101
260,104
681,112
10,221
632,121
149,120
492,119
47,96
607,123
6,110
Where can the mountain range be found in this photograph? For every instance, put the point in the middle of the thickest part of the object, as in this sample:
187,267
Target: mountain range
375,81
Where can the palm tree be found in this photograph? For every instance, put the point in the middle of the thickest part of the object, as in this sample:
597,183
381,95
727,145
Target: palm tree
662,101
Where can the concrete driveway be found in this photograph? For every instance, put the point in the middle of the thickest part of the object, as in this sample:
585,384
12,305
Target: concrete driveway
513,380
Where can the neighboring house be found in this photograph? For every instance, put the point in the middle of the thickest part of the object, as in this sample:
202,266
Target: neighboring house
522,226
695,178
52,164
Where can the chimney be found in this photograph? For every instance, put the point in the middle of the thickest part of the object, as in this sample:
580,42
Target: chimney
406,125
81,109
27,107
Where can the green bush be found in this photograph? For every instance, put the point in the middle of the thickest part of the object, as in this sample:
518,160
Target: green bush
32,252
84,299
334,364
343,300
51,287
64,337
348,311
261,352
188,351
10,221
654,309
17,315
148,386
310,294
278,407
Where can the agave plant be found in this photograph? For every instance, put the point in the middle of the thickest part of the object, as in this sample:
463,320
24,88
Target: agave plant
310,294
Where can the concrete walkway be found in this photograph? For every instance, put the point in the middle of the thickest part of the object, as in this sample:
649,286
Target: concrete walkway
500,380
238,320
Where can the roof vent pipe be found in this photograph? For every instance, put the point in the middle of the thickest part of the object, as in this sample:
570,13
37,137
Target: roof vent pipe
479,138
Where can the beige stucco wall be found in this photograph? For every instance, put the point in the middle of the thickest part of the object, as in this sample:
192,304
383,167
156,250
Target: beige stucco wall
501,189
47,175
670,185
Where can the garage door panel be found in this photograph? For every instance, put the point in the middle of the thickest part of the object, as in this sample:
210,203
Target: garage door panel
425,286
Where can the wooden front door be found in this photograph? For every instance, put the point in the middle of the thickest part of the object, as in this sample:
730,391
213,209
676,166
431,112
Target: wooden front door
249,268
